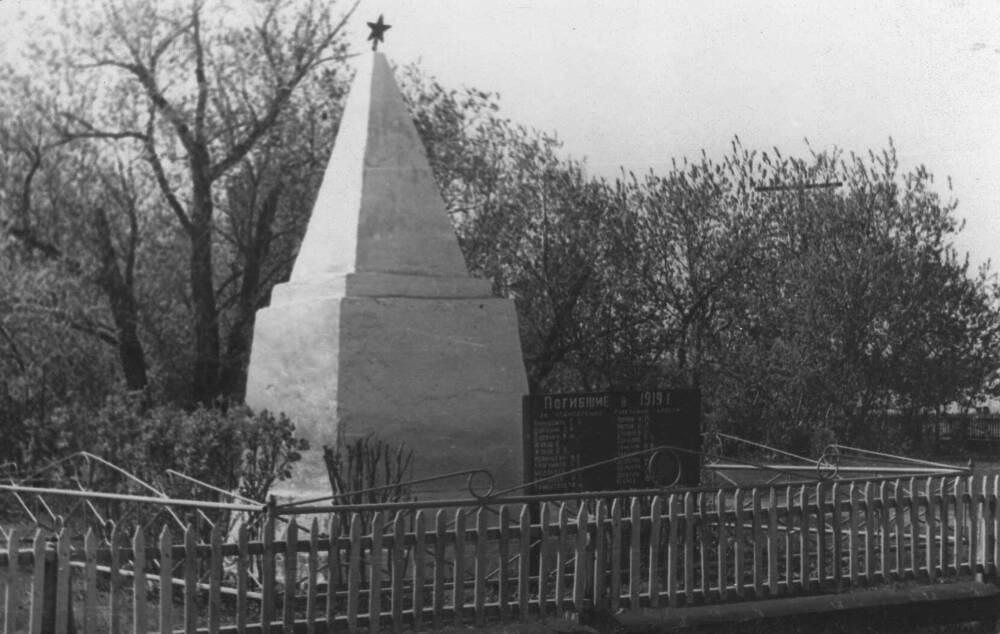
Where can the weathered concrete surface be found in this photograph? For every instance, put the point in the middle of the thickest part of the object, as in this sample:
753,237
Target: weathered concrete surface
442,375
890,609
380,328
378,208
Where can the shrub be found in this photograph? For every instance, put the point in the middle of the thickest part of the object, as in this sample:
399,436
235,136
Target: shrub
231,449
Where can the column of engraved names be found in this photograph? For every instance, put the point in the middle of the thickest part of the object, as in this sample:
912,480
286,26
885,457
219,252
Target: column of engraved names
555,452
633,434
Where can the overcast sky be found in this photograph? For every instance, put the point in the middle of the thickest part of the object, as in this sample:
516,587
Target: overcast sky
636,83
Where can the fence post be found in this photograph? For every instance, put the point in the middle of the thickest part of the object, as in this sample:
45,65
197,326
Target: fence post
580,581
635,553
723,542
803,514
616,555
853,540
57,605
38,605
836,523
758,562
820,533
739,553
268,589
995,521
869,506
419,569
772,542
600,556
524,563
931,530
543,559
884,529
503,556
653,579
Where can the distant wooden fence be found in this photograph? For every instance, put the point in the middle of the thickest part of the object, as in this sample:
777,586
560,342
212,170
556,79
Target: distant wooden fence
424,568
963,428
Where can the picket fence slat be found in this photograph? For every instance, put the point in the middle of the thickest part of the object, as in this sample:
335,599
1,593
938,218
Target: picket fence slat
961,507
688,548
90,582
635,555
802,515
930,518
758,582
985,555
913,541
672,563
899,543
419,571
580,576
703,544
267,574
994,557
616,555
837,535
313,576
166,574
853,536
653,576
946,515
820,534
479,587
190,580
722,549
354,574
14,579
62,582
242,563
869,512
458,578
972,527
772,541
600,555
375,571
543,558
561,563
215,580
884,506
524,563
290,574
138,579
739,550
789,543
503,557
38,586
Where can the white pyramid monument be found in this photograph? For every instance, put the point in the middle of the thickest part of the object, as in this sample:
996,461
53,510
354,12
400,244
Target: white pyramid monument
380,328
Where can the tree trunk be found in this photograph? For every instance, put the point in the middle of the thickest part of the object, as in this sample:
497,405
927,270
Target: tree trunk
124,312
232,378
205,377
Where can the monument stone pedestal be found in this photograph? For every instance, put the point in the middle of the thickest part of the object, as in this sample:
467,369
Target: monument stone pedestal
380,329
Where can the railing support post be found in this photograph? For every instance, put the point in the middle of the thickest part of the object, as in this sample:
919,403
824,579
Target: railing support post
50,604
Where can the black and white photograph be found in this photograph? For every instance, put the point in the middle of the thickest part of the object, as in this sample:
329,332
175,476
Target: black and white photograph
499,316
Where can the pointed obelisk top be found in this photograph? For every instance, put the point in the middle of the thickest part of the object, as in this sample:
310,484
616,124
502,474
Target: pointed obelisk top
378,209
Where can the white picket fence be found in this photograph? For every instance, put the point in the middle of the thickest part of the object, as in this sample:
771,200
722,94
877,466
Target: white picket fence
413,568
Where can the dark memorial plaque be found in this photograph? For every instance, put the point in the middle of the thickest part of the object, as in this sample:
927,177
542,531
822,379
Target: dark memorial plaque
567,431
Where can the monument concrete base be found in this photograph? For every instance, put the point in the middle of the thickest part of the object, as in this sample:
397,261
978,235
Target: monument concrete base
444,375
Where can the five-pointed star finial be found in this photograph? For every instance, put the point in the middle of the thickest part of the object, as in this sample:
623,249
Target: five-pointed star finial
378,32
